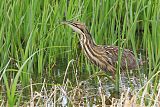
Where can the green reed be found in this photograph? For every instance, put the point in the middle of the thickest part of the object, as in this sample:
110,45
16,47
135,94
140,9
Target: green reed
33,40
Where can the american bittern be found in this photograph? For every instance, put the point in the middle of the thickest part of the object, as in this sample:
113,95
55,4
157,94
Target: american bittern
105,57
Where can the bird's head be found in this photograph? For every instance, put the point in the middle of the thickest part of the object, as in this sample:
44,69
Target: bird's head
77,27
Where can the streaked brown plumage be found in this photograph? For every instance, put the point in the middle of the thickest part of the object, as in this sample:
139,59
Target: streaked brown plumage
105,57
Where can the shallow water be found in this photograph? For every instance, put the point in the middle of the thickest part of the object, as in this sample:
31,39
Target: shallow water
81,89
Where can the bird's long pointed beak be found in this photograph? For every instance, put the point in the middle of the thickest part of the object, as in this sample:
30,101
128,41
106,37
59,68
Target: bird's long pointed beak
72,25
66,22
69,23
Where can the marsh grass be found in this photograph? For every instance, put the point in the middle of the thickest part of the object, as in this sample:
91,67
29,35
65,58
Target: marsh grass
33,42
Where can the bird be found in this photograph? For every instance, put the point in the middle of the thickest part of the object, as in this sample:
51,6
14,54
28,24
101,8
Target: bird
103,56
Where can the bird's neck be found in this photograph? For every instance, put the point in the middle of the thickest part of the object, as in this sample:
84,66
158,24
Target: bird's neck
90,48
86,40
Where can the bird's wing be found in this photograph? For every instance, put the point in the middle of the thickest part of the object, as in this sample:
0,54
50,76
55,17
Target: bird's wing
111,53
127,57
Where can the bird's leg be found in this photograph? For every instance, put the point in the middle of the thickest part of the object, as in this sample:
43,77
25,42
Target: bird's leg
112,70
113,75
